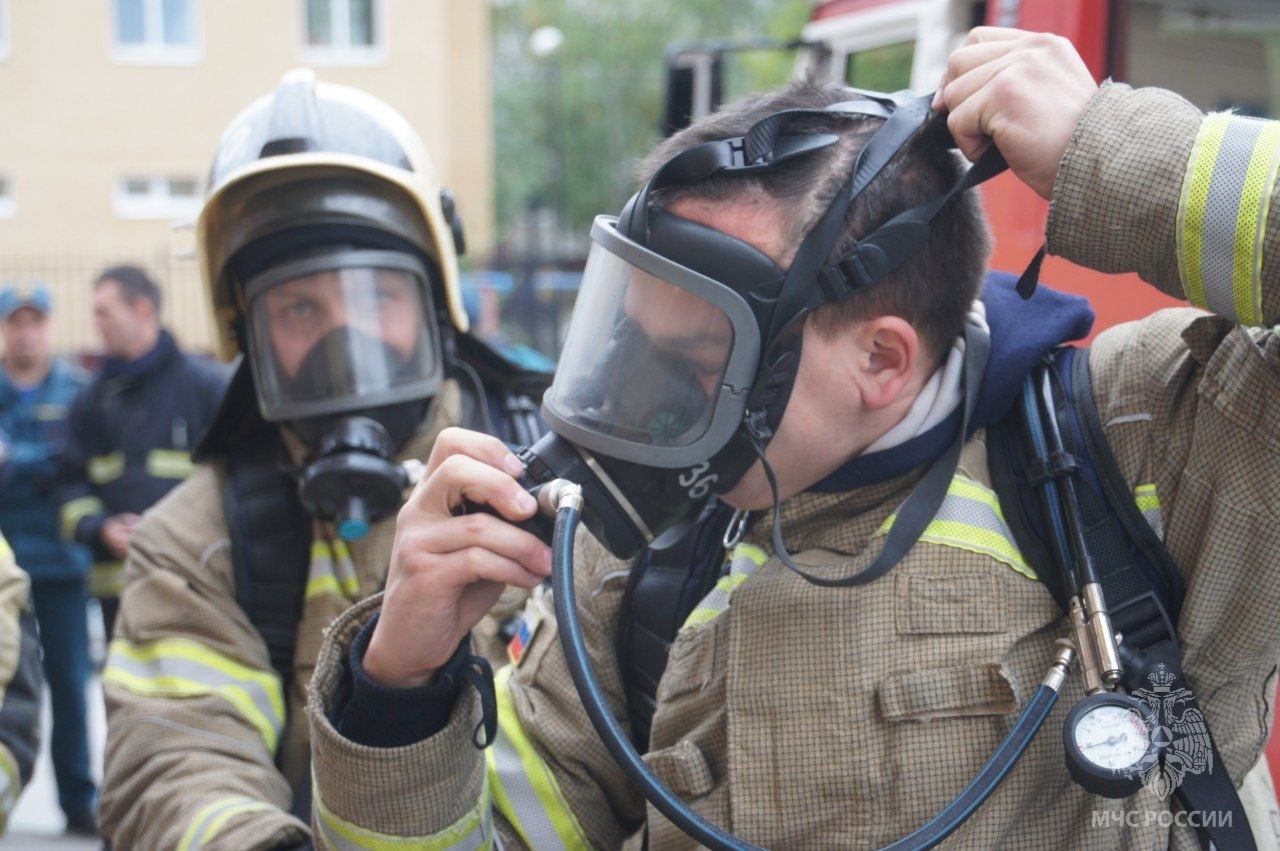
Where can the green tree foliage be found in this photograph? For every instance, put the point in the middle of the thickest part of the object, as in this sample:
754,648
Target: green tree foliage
594,106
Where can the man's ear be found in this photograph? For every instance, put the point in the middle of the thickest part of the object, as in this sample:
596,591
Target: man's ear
888,353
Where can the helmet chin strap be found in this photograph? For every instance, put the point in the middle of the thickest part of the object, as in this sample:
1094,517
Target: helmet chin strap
920,506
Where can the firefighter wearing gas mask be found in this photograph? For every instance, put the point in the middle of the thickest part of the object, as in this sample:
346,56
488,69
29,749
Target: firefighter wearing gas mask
328,251
791,313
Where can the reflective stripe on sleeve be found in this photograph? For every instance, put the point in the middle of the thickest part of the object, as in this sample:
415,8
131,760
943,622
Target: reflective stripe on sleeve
1149,504
1222,214
106,579
169,464
970,519
211,818
75,511
10,786
471,832
179,667
525,790
105,468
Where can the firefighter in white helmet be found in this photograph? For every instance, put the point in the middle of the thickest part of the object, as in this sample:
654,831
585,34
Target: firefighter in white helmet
328,252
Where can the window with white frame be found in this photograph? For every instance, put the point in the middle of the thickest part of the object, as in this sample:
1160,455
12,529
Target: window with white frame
4,30
8,201
157,31
143,197
343,32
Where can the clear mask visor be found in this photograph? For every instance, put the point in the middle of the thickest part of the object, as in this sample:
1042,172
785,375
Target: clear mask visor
340,332
644,361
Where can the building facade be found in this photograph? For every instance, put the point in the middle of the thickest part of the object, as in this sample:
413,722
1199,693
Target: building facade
110,111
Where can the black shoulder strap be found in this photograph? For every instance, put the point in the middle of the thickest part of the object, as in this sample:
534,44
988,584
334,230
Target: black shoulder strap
668,580
270,535
1102,465
1141,581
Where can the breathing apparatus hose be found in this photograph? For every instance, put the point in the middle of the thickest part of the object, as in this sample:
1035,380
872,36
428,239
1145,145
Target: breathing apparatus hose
568,502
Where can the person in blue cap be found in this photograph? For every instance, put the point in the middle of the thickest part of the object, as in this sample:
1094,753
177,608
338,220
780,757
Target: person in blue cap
36,391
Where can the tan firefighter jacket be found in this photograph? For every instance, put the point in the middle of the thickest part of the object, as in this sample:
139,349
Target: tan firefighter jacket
204,743
806,717
21,682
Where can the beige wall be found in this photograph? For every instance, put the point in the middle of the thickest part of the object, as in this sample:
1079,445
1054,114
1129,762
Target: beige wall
73,121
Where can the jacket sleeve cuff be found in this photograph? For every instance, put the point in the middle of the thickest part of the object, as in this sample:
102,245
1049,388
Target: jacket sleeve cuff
88,532
1115,200
384,717
416,790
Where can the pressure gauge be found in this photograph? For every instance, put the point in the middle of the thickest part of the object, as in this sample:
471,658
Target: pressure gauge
1111,744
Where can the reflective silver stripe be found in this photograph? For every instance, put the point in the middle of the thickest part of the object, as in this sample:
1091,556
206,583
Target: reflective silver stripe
176,667
1225,192
212,818
472,832
743,561
529,820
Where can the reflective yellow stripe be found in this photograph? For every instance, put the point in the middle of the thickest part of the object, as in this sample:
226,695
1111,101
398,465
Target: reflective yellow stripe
75,511
105,468
1222,214
525,790
211,818
169,464
106,579
179,667
751,552
970,519
6,552
1148,502
1251,224
471,832
10,785
328,584
743,561
1191,209
326,563
1146,497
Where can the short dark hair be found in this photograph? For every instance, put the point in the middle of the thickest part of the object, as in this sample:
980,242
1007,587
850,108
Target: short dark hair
933,290
134,283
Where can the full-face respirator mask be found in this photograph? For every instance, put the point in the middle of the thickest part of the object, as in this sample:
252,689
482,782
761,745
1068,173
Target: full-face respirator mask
345,353
677,369
684,342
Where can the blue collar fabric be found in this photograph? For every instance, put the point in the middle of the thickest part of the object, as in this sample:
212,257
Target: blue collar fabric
118,368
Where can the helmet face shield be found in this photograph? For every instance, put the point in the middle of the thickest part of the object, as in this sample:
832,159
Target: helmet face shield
657,361
345,330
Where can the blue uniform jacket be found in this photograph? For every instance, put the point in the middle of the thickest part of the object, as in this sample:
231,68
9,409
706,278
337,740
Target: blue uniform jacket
131,434
34,430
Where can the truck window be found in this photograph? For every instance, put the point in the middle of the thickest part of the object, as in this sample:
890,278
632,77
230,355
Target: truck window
886,68
1218,54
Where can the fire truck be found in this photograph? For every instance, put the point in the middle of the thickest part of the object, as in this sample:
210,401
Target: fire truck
1219,54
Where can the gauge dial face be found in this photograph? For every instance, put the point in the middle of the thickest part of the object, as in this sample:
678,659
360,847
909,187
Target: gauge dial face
1112,737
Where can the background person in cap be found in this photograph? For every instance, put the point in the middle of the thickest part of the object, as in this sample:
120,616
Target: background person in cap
133,428
36,391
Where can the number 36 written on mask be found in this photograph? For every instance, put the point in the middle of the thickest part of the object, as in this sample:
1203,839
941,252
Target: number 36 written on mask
698,487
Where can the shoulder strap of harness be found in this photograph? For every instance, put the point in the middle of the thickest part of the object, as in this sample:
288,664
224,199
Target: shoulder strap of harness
270,535
1141,581
667,581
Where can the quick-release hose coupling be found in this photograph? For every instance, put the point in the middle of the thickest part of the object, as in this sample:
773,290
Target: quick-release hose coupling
1102,634
1061,665
1090,666
557,494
